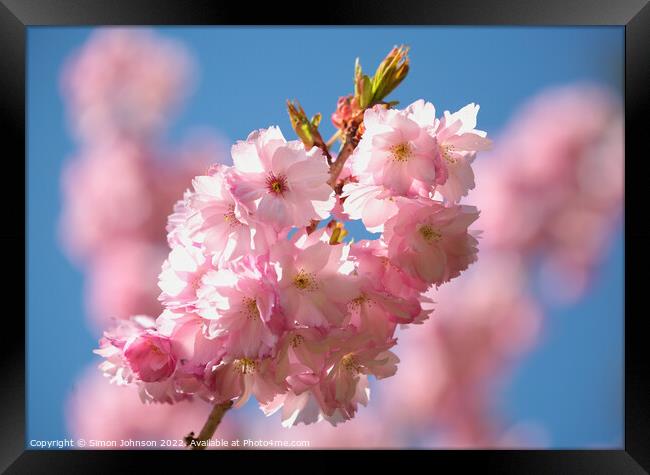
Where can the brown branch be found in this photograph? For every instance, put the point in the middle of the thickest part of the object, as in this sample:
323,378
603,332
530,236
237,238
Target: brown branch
209,428
320,143
351,141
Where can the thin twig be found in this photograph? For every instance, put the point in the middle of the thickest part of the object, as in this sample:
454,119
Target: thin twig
349,145
209,428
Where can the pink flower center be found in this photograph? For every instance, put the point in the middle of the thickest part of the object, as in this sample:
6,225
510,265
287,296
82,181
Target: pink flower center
276,184
195,281
401,152
305,281
245,365
350,363
359,301
231,218
429,234
446,152
296,341
250,308
155,350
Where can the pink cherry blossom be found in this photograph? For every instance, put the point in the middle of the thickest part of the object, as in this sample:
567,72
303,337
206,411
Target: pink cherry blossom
240,303
177,232
150,357
376,311
217,221
373,264
301,355
242,378
440,163
181,276
373,204
111,347
282,184
344,387
431,242
315,281
459,140
193,346
397,151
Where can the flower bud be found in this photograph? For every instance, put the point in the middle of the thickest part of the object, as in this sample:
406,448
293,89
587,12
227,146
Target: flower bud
149,357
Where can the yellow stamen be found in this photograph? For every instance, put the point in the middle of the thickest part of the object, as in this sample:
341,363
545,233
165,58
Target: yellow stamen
305,281
245,365
231,218
401,152
296,341
429,234
250,308
446,151
276,184
360,300
351,364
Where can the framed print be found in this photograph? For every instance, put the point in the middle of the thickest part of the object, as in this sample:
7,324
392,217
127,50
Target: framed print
385,228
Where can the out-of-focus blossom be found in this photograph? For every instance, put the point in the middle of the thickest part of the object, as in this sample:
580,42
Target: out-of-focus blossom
120,190
121,184
108,195
122,280
125,82
468,345
553,185
100,411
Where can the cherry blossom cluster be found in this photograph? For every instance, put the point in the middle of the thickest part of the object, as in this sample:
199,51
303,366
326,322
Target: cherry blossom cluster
260,302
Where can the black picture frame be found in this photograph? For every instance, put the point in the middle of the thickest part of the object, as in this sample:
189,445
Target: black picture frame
17,15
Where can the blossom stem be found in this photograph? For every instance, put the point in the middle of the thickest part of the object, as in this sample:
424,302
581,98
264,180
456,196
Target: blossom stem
349,145
209,428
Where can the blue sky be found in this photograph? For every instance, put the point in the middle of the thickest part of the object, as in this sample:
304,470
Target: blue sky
571,384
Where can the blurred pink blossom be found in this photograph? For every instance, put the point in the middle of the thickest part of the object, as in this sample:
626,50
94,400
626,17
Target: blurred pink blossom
122,182
125,82
451,367
554,184
122,280
102,411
